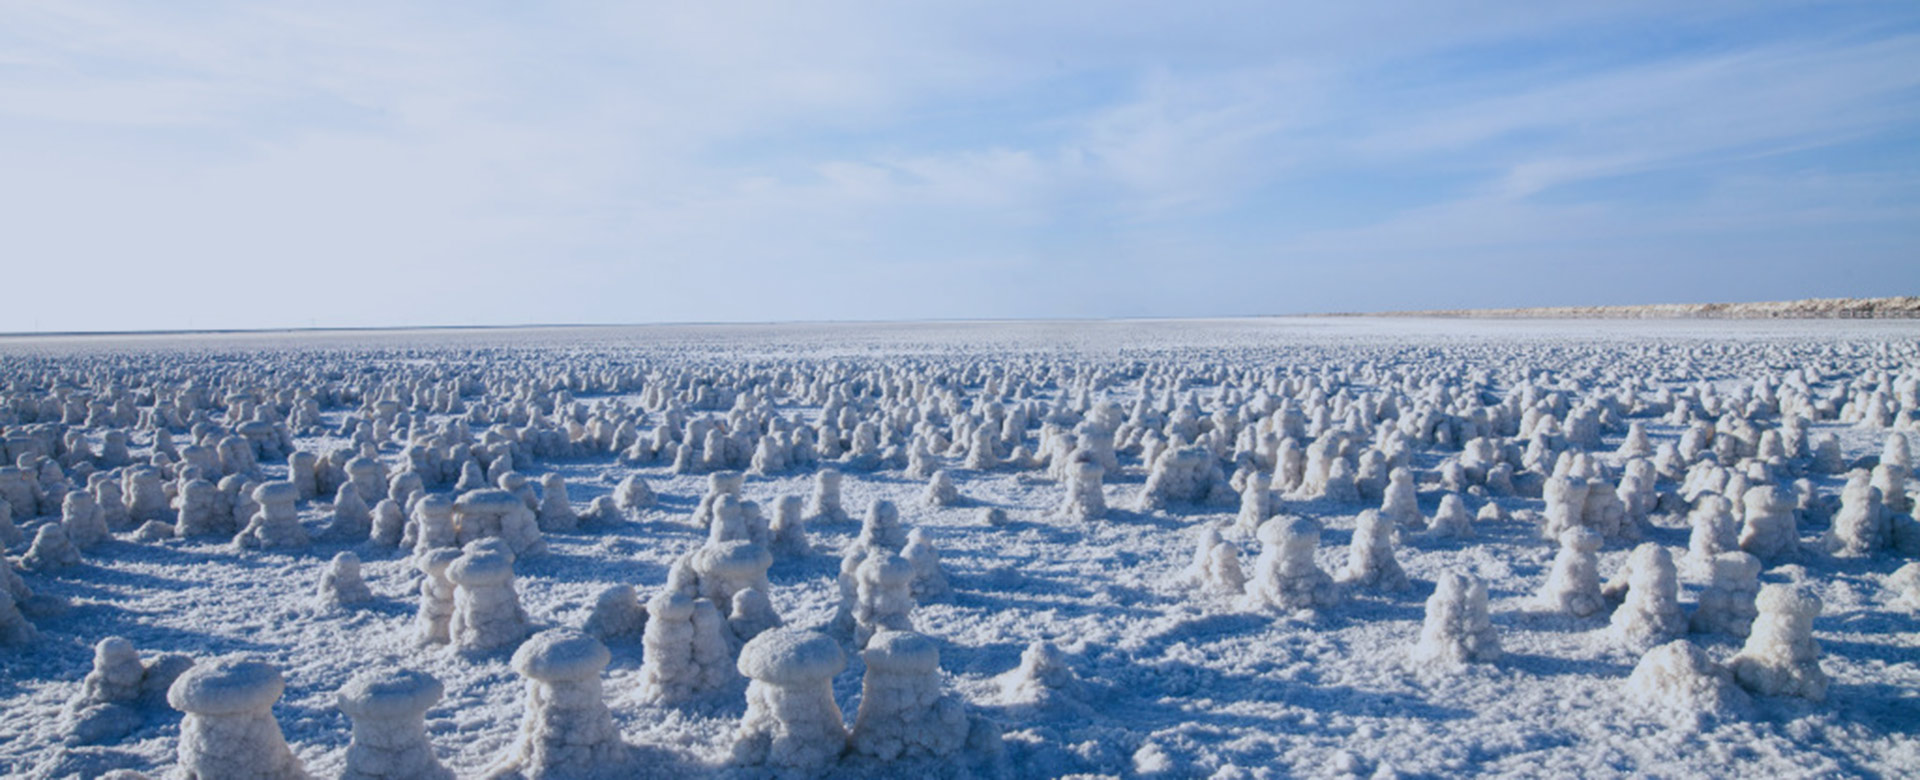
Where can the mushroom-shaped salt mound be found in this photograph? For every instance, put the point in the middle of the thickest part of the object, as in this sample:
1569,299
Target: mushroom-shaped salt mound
1457,629
567,730
1680,683
495,513
277,523
486,610
229,729
1781,657
792,722
388,708
903,713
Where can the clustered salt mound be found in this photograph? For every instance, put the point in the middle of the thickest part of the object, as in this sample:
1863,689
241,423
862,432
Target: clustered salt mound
449,470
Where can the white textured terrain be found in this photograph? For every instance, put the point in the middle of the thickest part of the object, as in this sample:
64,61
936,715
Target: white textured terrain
1147,672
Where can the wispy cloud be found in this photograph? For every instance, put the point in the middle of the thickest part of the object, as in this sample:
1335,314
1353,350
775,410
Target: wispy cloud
368,163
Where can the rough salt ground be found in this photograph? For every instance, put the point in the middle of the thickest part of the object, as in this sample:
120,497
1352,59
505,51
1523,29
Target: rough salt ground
1181,684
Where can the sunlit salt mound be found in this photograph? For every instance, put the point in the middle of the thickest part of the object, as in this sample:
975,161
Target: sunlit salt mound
792,722
685,652
341,585
1651,613
567,730
1781,657
493,513
1285,576
486,608
904,713
1370,561
1457,629
1043,680
1679,683
229,730
120,692
388,708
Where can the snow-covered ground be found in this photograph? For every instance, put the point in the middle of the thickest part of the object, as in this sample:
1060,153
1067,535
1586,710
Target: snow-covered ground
1171,680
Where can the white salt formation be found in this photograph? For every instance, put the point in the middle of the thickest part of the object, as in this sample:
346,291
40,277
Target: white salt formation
788,531
1457,629
86,525
633,494
751,615
683,650
14,628
1285,576
388,708
567,731
389,524
497,514
486,609
115,697
1451,521
1256,504
432,622
903,711
1781,657
1086,500
1651,614
1726,604
1770,532
929,578
51,550
1904,584
940,491
1043,680
617,614
1714,532
1399,505
1216,566
823,506
1864,525
433,527
883,597
1679,682
352,519
792,722
229,730
881,528
276,524
341,585
556,513
725,568
1370,561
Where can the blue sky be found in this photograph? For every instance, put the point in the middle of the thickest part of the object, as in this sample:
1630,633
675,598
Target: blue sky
216,165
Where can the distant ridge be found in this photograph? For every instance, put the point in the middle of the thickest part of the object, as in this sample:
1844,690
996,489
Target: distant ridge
1899,307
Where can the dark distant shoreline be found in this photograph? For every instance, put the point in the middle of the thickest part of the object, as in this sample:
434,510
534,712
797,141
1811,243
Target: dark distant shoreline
1901,307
